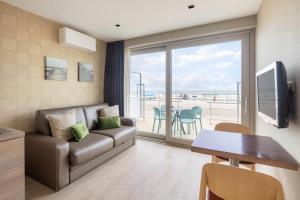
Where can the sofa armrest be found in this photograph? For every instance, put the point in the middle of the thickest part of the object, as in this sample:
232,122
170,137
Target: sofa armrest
46,160
127,121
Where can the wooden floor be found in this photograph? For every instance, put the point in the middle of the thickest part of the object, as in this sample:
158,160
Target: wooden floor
147,171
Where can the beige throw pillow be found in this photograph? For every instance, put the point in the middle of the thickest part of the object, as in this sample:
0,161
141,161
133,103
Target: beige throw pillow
110,111
61,124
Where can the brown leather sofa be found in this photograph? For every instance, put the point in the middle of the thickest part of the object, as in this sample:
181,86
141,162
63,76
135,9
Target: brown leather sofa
57,163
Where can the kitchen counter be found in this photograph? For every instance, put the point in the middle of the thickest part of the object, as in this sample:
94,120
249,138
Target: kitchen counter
10,133
12,171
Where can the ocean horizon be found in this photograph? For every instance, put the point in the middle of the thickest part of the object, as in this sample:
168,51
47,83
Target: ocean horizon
193,92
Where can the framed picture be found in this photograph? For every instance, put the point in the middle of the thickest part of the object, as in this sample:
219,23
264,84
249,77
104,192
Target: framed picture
56,69
85,72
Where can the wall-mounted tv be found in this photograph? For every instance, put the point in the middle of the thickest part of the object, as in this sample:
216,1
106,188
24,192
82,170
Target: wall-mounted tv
272,94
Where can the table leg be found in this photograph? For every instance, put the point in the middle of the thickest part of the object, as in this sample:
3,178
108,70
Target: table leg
173,121
181,126
174,124
234,162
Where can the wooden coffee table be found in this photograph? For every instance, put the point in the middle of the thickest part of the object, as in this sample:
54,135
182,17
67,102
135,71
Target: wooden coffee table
240,147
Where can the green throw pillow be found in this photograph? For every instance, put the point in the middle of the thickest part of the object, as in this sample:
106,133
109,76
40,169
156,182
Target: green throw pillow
109,122
79,131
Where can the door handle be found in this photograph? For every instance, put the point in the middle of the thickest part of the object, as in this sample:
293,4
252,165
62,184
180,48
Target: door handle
246,105
137,90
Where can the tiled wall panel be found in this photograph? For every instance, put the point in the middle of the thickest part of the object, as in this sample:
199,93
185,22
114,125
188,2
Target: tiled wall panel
25,39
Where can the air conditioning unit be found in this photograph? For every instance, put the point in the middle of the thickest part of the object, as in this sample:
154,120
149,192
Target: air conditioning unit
76,39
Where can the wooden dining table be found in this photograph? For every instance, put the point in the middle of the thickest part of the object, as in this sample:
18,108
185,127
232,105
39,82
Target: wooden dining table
243,147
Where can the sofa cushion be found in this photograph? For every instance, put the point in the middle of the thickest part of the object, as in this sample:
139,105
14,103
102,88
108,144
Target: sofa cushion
120,135
61,124
42,123
109,122
79,131
109,111
92,146
92,113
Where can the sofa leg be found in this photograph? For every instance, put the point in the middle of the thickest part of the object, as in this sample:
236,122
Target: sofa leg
134,140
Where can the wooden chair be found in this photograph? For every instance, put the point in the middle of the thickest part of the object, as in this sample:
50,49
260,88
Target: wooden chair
232,183
236,128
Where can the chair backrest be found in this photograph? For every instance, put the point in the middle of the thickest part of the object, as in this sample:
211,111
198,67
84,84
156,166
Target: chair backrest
156,112
163,108
234,183
197,110
187,114
232,127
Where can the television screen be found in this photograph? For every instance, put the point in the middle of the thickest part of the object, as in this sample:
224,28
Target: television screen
266,94
272,94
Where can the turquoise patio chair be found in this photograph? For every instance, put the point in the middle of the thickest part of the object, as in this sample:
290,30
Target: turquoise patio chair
163,109
198,111
158,115
188,117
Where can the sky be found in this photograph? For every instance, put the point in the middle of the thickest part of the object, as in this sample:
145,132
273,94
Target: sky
209,67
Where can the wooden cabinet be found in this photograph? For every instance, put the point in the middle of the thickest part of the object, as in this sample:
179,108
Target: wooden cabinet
12,175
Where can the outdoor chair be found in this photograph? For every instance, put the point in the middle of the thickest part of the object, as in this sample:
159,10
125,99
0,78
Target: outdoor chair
158,115
163,109
198,111
188,117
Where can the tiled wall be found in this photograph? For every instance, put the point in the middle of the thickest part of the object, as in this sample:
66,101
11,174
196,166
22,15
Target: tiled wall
25,39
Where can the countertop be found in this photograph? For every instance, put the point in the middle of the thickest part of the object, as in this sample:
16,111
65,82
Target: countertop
10,133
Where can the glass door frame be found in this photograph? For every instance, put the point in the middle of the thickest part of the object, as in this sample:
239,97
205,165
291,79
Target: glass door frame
138,51
248,94
244,37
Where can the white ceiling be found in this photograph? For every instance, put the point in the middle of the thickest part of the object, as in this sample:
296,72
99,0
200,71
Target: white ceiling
137,17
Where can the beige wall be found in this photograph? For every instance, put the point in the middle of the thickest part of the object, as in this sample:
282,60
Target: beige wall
278,38
24,41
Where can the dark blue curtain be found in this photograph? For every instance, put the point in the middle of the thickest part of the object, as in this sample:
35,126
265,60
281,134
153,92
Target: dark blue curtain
114,75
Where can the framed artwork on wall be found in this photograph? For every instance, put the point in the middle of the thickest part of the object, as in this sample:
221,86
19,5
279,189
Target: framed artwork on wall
85,72
56,69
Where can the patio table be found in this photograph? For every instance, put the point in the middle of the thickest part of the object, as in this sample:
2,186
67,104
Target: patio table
177,118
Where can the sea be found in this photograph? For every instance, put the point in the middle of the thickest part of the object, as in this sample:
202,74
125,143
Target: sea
155,93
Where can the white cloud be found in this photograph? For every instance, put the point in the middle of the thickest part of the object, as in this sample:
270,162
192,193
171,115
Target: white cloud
147,62
222,65
210,67
221,54
205,53
154,81
204,79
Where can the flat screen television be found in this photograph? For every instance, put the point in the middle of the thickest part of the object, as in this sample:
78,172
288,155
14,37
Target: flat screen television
272,94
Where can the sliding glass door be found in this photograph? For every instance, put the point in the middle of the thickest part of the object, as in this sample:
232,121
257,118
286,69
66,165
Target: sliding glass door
147,91
185,87
209,84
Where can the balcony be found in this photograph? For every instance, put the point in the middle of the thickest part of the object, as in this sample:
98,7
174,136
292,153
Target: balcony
221,107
